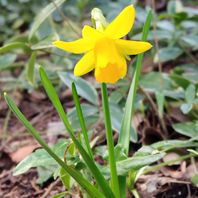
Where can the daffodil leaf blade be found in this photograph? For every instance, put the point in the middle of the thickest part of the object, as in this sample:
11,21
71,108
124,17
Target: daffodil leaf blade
81,119
92,191
52,94
124,137
116,114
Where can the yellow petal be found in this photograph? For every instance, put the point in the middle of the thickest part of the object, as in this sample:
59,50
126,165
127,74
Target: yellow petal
79,46
132,47
110,74
122,24
85,64
106,52
91,33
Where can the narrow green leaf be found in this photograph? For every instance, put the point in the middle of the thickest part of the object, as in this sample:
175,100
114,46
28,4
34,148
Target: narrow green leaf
51,92
11,46
45,42
116,114
81,119
110,143
60,195
124,137
75,174
43,14
30,67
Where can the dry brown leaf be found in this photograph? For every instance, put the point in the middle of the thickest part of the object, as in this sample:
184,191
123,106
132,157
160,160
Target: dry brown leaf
22,152
172,156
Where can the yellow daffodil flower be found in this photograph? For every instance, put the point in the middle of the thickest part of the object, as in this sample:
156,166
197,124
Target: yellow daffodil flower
105,51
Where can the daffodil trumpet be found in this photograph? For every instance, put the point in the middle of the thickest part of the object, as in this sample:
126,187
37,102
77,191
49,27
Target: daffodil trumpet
104,50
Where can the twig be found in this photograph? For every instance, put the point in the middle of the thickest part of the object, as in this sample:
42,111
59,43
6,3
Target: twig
162,122
5,125
52,185
188,53
189,191
36,188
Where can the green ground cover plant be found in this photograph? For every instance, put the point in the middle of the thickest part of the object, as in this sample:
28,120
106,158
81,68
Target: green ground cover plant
114,99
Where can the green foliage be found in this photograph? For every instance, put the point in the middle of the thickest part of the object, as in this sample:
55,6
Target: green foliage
85,89
91,190
31,67
46,12
190,98
194,179
134,163
90,114
189,129
129,107
6,60
176,31
167,54
28,30
50,90
40,158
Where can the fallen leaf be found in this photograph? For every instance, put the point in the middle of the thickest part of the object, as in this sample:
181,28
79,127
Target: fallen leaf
172,156
22,152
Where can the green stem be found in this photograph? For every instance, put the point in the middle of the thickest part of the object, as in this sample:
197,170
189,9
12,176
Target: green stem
81,119
110,144
5,125
135,193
